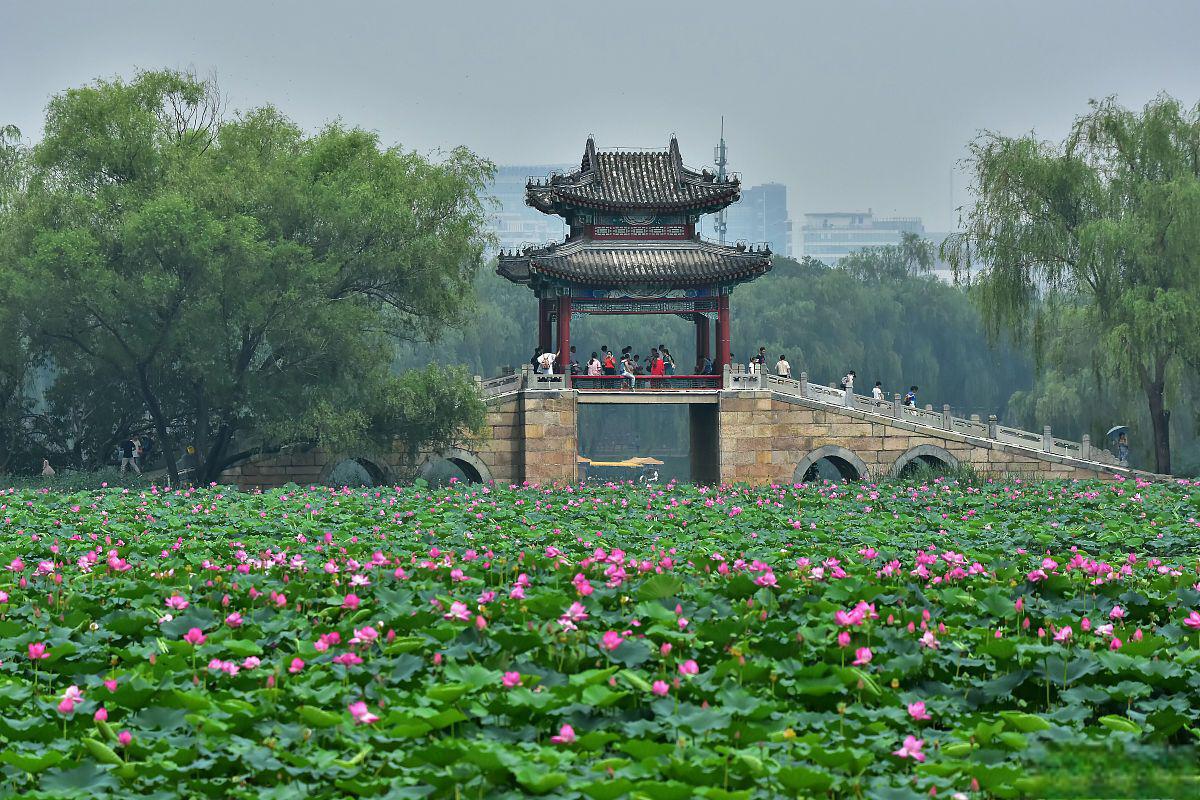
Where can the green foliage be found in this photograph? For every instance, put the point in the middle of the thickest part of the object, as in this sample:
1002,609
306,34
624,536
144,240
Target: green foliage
476,632
229,275
913,256
1107,222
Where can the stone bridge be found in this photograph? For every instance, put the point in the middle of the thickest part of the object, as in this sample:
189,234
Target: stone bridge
758,429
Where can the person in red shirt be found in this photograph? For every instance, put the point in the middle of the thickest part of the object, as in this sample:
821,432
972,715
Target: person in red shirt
657,366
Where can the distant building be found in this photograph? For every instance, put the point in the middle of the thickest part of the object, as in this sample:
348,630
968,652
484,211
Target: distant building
831,236
514,223
761,216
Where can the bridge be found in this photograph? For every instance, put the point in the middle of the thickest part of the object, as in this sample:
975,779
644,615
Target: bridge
752,428
634,248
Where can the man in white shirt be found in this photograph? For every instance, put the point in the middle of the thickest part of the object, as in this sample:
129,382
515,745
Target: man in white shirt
782,368
877,392
546,363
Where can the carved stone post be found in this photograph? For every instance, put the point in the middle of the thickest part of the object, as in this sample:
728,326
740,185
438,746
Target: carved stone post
1047,439
896,405
947,422
726,378
1085,448
992,425
804,384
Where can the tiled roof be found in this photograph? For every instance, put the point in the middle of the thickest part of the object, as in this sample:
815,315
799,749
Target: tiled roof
632,180
591,263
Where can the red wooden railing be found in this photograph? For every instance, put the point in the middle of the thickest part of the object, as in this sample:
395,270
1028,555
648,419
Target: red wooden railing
651,383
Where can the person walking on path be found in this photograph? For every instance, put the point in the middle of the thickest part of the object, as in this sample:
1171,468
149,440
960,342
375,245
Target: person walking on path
877,392
848,381
910,398
128,449
782,368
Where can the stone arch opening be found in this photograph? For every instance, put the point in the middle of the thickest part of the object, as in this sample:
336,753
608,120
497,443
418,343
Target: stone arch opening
924,456
355,471
453,464
830,462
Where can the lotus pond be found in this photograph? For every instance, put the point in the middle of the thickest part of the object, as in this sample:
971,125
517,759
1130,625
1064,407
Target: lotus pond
892,641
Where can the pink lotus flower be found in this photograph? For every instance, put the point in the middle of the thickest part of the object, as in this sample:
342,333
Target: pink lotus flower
862,657
234,620
296,666
917,710
124,737
689,667
611,640
1064,634
1115,644
911,749
566,735
362,715
251,662
1117,613
458,611
660,688
176,602
1193,620
351,601
365,635
929,640
37,651
110,684
511,679
195,637
101,714
843,639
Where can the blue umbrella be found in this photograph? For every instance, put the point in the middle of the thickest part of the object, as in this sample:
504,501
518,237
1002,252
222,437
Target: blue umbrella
1116,430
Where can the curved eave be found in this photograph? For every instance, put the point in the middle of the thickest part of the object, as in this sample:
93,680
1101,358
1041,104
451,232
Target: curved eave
556,201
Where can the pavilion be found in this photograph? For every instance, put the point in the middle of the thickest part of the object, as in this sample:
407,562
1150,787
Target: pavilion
633,248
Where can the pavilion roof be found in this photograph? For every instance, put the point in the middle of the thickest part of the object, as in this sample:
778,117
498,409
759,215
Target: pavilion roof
588,262
634,180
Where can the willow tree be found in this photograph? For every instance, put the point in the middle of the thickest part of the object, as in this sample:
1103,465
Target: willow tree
245,280
1107,222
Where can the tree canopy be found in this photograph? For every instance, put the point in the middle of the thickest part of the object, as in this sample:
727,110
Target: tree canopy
1104,227
240,281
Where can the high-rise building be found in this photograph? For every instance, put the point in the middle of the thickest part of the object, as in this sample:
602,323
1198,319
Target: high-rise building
514,223
831,236
762,216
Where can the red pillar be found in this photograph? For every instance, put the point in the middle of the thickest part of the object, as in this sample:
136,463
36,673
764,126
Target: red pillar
701,337
722,333
543,323
564,334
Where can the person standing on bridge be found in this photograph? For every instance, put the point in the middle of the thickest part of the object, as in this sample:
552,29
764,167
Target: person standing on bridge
782,368
877,392
594,366
848,381
546,362
910,399
608,361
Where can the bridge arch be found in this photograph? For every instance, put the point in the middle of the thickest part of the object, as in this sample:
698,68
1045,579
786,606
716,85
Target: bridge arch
472,468
927,454
848,465
341,470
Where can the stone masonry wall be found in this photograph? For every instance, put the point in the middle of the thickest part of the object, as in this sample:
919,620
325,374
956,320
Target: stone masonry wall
502,450
551,432
763,437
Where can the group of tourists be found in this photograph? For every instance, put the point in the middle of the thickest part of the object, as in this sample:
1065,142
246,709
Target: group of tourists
660,362
626,363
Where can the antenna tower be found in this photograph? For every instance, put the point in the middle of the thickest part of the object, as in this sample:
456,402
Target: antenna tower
720,161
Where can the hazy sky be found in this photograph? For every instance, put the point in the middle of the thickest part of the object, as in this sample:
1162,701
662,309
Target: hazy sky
851,104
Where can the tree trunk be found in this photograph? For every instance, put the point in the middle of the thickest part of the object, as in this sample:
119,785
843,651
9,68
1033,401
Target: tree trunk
160,425
1160,420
